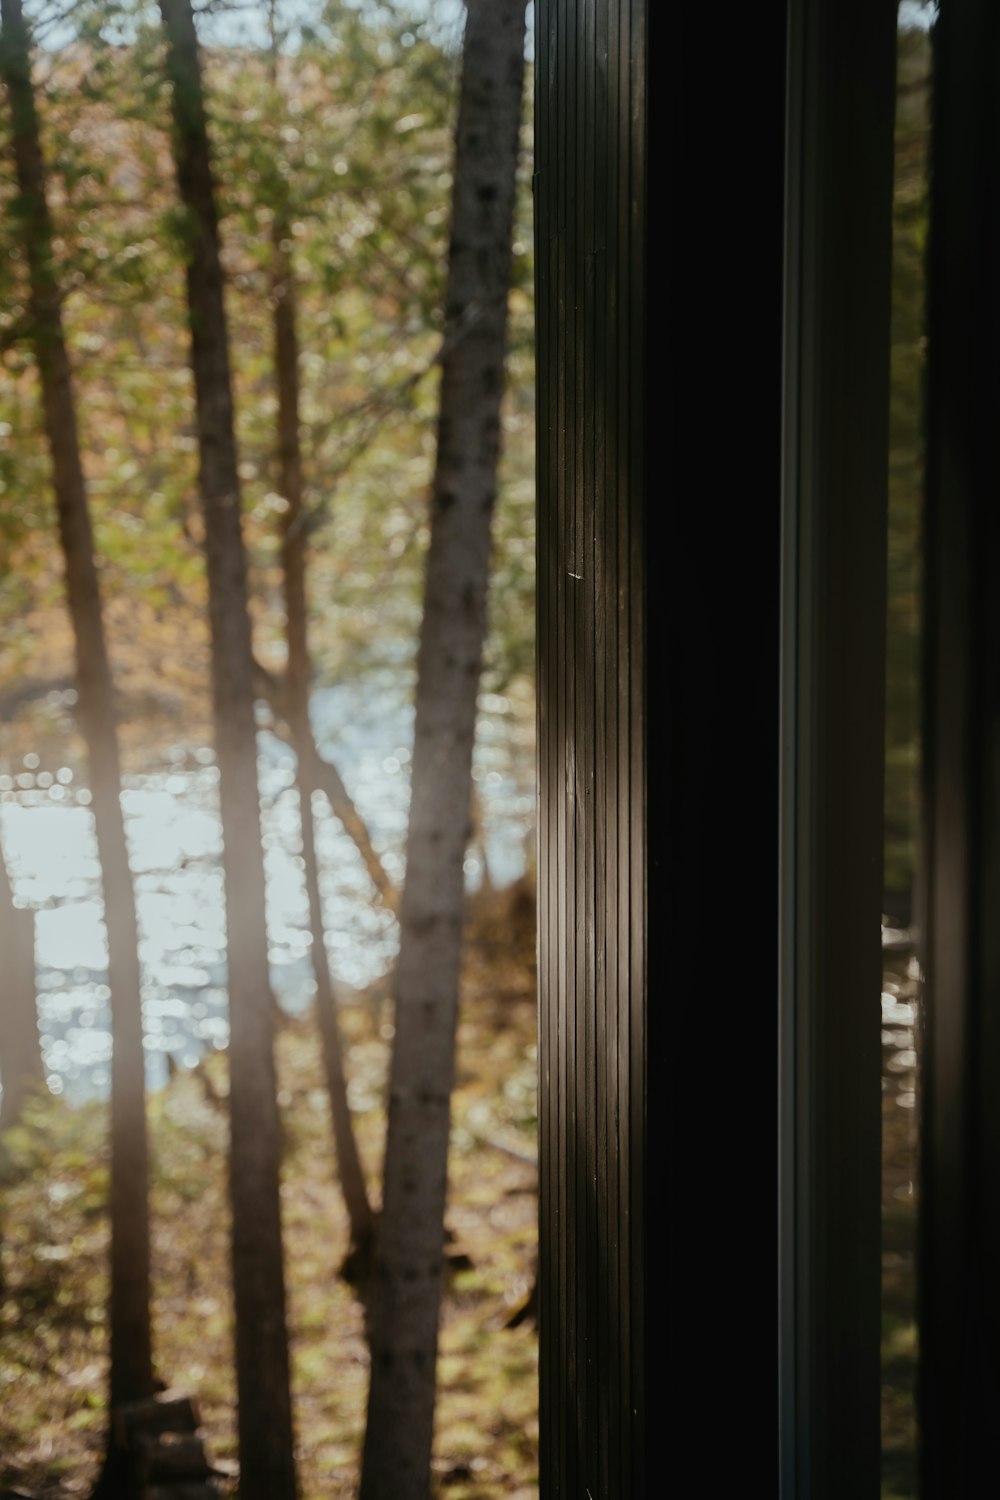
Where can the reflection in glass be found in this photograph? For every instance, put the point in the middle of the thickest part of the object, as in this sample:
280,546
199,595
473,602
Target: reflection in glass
900,984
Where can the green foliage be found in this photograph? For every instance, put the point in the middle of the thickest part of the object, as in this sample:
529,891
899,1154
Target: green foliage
340,125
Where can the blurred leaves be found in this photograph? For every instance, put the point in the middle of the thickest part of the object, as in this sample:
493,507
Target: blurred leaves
906,467
340,123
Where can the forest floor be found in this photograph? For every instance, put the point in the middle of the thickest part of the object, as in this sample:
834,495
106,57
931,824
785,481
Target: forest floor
53,1358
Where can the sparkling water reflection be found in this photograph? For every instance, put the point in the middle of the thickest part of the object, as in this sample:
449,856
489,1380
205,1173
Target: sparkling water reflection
175,852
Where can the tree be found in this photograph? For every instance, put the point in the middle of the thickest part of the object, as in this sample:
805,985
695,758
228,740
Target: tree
410,1242
266,1441
129,1315
294,553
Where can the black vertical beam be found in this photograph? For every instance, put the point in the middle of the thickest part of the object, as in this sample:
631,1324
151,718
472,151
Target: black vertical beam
589,195
659,418
959,1378
713,452
841,57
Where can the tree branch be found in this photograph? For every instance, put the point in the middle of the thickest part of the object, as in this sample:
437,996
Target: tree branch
323,776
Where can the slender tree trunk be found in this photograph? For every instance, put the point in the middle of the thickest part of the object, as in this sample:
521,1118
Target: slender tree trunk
293,557
410,1241
131,1356
21,1068
267,1467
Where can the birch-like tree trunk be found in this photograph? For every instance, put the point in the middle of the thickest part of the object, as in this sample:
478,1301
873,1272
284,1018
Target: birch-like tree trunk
410,1240
267,1465
129,1317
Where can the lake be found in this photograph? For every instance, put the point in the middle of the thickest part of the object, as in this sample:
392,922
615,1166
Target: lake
175,852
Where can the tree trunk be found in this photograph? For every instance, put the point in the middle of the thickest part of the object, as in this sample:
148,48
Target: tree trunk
410,1240
267,1466
21,1069
131,1355
293,557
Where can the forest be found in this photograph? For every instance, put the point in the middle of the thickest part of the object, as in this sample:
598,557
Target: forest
266,750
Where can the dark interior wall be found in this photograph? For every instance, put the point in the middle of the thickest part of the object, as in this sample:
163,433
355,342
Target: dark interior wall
659,191
837,335
960,1062
713,507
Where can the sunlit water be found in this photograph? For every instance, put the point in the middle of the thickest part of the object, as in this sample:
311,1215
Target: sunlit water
175,852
